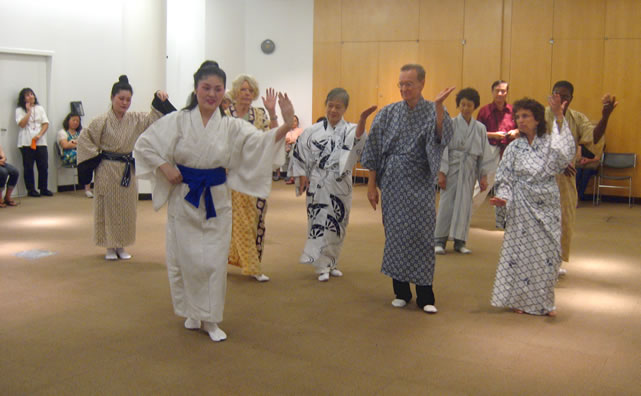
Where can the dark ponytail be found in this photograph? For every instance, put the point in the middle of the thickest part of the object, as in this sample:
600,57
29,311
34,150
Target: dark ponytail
208,68
121,85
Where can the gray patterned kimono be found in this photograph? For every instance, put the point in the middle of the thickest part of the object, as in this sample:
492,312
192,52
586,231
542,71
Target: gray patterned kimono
466,159
404,151
326,157
531,251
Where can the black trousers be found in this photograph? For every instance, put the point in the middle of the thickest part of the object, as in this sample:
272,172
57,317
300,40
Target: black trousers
40,157
424,294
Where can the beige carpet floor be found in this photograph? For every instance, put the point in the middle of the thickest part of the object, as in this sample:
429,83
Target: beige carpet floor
73,324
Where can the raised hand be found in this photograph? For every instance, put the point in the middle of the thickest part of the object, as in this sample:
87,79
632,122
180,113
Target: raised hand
269,101
286,109
162,95
557,107
367,112
443,95
609,103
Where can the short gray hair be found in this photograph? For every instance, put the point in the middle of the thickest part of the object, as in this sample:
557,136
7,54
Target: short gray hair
338,94
420,71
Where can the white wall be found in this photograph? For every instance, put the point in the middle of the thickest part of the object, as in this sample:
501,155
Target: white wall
235,30
94,41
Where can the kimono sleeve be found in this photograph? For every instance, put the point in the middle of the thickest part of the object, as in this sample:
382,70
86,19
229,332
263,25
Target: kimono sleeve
445,161
505,177
351,150
373,151
301,155
434,146
89,139
584,128
486,163
562,149
253,155
153,148
144,120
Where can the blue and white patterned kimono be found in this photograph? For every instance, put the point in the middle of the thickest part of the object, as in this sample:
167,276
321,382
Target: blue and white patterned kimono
404,151
326,157
531,252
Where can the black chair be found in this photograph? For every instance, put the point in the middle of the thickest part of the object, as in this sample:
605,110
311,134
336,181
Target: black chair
615,161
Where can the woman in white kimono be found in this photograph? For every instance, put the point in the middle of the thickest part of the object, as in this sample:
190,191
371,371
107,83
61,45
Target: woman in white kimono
193,158
531,251
323,158
466,160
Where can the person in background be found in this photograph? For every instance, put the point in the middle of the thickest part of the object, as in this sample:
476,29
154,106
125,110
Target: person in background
498,119
195,156
68,142
107,142
32,142
9,177
248,232
466,160
323,160
526,187
583,132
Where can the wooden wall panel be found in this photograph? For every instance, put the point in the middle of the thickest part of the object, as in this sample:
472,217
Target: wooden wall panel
391,57
506,42
380,20
482,50
327,20
359,76
623,19
581,63
530,49
623,79
579,19
441,20
443,62
327,75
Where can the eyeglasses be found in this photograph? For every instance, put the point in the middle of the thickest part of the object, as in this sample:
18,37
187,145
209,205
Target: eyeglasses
405,85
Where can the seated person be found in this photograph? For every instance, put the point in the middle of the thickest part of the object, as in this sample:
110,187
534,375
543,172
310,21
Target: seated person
587,165
68,141
7,171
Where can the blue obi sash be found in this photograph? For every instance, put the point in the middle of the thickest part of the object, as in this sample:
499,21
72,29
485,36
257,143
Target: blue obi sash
200,181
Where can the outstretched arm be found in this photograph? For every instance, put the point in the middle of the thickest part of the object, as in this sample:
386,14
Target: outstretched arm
360,128
609,103
287,109
440,110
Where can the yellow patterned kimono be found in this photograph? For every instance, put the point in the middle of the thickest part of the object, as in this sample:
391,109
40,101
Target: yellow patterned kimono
582,131
114,205
248,213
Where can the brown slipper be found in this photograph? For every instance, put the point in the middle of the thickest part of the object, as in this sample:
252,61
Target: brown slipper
10,202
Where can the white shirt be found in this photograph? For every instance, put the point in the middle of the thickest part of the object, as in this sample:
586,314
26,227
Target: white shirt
32,129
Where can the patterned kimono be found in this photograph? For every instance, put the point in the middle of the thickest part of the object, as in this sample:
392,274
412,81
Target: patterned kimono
248,230
467,158
197,246
326,157
403,149
114,205
530,255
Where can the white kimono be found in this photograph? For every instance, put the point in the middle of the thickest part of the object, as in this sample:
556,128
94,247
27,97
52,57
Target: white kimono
326,157
197,247
467,159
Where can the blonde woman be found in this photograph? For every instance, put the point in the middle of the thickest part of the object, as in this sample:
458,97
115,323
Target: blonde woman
248,231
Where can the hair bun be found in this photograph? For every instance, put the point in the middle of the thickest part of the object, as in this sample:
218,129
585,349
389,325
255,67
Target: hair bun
209,63
123,79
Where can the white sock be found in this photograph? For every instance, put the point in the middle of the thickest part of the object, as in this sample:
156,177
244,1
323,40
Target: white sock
215,333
